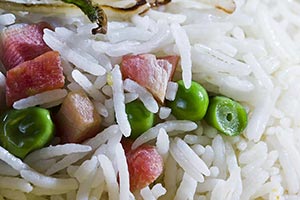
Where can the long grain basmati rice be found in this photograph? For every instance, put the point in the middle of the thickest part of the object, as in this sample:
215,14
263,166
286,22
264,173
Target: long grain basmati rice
246,50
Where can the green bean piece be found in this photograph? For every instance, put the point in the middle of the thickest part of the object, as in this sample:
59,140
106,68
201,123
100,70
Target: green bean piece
189,104
227,116
25,130
139,117
94,12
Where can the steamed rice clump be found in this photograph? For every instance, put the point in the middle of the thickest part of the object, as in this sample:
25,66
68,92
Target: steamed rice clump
251,55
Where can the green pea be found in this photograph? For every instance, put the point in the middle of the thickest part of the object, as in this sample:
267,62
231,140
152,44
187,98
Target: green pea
25,130
227,116
139,117
189,104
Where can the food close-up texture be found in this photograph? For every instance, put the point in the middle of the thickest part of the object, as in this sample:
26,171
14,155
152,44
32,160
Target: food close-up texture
149,99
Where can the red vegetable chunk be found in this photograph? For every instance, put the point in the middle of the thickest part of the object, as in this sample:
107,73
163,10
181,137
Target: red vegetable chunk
150,72
77,118
35,76
145,164
173,60
20,43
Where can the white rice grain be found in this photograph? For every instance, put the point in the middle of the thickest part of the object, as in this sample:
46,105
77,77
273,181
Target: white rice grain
129,97
84,189
259,72
129,33
49,182
58,150
97,192
164,112
65,162
289,172
260,116
41,98
198,149
101,109
158,190
119,101
157,41
85,169
175,125
184,48
15,184
110,177
170,178
100,82
238,33
107,90
11,160
192,139
12,194
99,178
254,183
7,170
145,96
218,62
171,90
87,85
163,143
39,191
228,189
188,160
171,18
208,155
276,38
102,137
7,19
187,188
123,172
214,171
78,59
219,149
250,155
147,194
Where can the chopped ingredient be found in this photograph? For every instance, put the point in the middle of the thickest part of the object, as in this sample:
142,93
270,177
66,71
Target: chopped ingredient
189,104
144,164
54,7
155,3
150,72
139,117
35,76
20,43
22,131
77,118
173,60
94,12
227,116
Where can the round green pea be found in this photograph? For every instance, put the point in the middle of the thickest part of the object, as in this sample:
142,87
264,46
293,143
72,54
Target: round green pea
139,117
189,104
227,116
25,130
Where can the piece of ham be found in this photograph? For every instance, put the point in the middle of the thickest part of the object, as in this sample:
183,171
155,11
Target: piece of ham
77,119
145,164
34,76
20,43
150,72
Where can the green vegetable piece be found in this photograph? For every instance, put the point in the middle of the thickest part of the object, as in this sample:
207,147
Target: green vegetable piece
94,12
189,104
25,130
139,117
227,116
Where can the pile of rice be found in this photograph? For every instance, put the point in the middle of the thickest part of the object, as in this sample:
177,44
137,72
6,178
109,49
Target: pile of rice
251,55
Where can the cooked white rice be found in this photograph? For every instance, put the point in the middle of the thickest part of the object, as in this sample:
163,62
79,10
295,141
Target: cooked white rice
251,55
